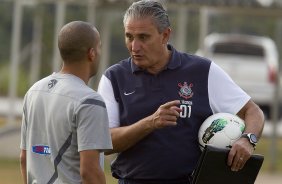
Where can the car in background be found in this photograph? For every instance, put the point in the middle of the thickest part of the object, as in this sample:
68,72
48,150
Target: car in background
251,61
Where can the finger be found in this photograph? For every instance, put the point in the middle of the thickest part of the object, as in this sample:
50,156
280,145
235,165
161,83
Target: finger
164,120
236,164
170,104
166,117
170,118
169,123
243,162
232,160
165,123
239,162
231,157
172,111
177,109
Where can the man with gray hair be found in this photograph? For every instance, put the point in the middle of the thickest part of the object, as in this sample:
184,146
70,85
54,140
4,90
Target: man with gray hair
158,98
65,123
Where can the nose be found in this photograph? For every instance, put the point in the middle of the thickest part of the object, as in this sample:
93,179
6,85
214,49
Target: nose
135,45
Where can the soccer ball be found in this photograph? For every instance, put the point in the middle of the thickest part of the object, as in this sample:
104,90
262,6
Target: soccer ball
220,130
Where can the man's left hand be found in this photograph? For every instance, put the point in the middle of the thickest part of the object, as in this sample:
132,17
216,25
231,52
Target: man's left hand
240,152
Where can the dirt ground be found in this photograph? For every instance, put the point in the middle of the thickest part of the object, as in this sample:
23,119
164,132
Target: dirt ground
269,178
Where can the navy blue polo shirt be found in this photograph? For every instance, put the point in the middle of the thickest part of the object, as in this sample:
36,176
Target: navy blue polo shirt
171,152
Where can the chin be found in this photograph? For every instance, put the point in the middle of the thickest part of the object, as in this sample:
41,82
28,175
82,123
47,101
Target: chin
140,63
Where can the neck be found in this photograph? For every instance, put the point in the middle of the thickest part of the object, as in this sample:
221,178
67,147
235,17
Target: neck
160,66
78,70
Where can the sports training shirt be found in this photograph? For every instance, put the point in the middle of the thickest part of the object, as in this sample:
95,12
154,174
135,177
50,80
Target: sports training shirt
131,94
61,117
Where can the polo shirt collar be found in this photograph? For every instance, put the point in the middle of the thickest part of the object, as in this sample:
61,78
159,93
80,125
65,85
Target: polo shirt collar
173,63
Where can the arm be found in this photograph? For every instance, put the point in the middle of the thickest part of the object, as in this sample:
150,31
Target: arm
90,169
234,100
125,137
23,165
253,117
242,149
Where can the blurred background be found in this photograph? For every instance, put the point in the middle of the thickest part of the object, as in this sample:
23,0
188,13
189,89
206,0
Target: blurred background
244,37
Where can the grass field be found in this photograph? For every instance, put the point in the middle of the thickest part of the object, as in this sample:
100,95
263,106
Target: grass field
10,172
264,148
10,169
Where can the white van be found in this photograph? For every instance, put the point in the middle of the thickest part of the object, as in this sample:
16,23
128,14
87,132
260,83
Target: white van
251,61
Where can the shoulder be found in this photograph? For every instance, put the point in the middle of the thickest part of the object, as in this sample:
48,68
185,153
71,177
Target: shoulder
195,59
187,59
119,70
123,65
40,85
64,85
93,99
193,62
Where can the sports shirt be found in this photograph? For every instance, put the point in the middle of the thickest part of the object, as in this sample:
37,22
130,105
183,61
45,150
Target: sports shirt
61,117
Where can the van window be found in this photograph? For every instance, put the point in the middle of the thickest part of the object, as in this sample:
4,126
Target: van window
238,48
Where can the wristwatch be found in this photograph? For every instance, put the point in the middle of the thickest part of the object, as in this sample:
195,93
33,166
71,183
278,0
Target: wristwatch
251,137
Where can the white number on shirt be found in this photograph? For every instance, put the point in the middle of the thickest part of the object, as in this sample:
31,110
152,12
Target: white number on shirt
186,111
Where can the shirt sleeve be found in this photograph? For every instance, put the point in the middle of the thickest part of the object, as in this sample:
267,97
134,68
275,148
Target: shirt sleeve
224,94
23,129
92,125
105,89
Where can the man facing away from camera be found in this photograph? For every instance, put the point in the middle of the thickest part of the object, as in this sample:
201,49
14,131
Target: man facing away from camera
65,123
158,98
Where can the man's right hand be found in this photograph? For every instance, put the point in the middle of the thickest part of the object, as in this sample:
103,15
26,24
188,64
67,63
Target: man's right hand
166,115
127,136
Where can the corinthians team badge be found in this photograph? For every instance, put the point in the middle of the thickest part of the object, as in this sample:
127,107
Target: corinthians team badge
185,90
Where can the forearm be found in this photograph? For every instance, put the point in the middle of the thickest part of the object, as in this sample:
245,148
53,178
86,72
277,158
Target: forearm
125,137
242,149
254,119
97,176
23,165
90,169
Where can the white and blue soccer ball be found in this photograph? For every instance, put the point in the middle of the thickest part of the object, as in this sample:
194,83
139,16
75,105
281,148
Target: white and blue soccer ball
220,130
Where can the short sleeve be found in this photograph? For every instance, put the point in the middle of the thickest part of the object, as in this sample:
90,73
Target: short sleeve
224,94
92,125
105,89
23,129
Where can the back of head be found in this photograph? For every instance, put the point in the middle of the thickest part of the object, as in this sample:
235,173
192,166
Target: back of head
75,39
148,8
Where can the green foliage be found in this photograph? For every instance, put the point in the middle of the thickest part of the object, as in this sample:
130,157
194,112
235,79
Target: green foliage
23,83
76,13
47,11
22,86
5,30
4,80
243,24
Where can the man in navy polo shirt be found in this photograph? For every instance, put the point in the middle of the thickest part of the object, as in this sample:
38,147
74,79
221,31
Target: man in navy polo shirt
158,98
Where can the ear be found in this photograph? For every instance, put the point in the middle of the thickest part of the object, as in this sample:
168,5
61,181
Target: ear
91,54
166,35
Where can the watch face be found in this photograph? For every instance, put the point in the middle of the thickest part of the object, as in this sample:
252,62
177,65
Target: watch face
253,138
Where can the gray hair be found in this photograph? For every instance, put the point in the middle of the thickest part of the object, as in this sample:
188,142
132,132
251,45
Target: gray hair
148,8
